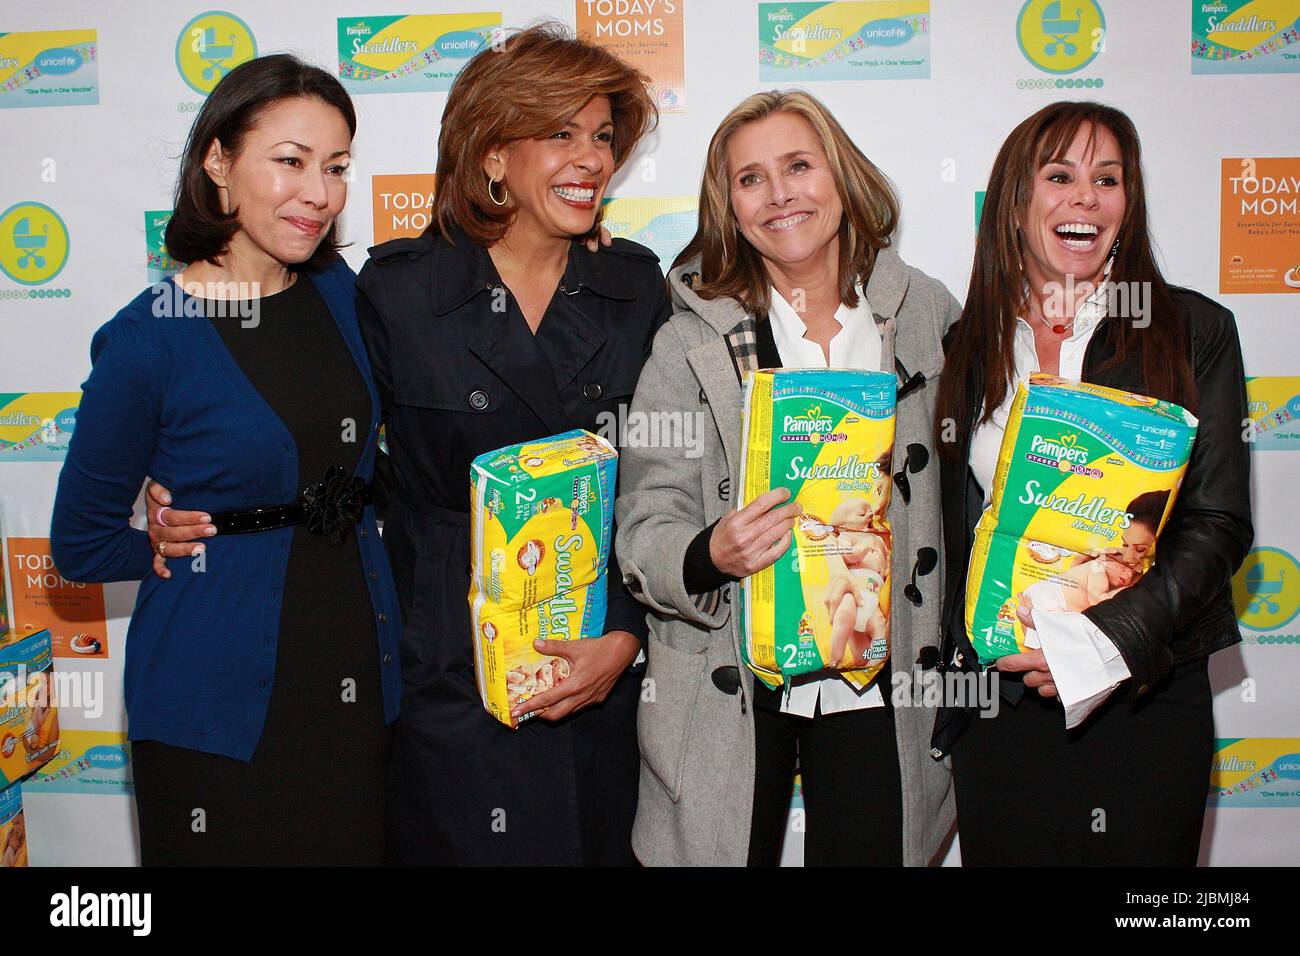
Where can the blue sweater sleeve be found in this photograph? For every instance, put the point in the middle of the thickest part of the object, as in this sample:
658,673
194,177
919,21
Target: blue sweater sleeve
110,454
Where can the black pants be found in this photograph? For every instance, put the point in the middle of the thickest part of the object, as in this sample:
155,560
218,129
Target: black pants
1127,788
852,787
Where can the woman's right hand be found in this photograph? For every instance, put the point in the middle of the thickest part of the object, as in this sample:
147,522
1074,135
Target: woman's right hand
180,536
750,539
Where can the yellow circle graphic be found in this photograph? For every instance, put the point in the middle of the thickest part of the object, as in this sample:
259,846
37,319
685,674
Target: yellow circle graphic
1061,36
1266,590
33,243
210,46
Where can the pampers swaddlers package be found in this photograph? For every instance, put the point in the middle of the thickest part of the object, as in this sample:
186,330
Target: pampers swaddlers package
828,436
1086,478
541,517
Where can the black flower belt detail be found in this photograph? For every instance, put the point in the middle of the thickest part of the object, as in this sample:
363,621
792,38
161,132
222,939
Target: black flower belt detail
330,507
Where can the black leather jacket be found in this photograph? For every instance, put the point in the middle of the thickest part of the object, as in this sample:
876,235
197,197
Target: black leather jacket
1182,609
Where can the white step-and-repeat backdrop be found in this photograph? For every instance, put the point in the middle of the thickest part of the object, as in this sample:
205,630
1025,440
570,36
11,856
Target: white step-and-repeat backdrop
96,98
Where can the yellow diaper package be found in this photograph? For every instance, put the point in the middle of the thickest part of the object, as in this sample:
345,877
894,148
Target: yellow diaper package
1086,479
828,436
13,828
541,516
29,716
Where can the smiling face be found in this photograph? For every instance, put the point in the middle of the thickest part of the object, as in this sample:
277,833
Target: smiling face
556,184
1075,212
783,192
288,182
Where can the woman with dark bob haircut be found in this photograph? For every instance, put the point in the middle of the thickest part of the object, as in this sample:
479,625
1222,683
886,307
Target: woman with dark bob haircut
1101,749
261,670
497,327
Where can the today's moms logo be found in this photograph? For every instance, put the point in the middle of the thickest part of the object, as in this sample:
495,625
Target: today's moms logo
34,247
210,46
1061,37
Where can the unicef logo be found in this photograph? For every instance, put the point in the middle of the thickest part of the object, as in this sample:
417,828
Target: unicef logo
1266,591
210,46
33,243
1061,36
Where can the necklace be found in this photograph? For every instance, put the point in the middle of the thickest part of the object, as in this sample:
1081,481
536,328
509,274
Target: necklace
1058,328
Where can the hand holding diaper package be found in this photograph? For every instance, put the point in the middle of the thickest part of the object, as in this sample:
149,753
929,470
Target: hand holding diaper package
828,436
541,523
1086,479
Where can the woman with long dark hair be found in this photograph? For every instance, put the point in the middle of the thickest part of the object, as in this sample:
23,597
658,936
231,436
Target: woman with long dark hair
1100,751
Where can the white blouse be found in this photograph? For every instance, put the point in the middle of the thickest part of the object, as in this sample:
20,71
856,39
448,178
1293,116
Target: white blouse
1086,666
856,345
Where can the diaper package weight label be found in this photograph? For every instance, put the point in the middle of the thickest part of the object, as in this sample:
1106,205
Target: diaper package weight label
541,523
828,436
1086,479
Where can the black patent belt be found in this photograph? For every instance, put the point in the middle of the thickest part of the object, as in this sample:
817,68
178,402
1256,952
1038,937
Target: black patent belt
331,507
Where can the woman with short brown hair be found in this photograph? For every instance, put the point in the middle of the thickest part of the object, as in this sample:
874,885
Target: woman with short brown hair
497,327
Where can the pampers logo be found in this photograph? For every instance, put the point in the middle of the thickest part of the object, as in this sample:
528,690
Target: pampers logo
812,420
34,246
1060,37
1065,448
210,46
1266,593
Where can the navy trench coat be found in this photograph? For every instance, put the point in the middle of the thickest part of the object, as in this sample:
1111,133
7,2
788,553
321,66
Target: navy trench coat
458,377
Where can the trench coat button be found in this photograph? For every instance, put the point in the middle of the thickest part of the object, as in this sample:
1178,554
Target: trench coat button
478,399
727,679
383,618
1143,689
374,575
388,658
362,532
631,582
591,392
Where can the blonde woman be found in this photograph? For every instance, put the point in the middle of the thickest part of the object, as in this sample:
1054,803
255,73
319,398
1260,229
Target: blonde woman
792,266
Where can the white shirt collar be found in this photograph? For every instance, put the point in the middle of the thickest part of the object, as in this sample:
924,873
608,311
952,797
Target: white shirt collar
856,345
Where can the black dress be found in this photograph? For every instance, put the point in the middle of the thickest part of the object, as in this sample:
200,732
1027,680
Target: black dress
313,794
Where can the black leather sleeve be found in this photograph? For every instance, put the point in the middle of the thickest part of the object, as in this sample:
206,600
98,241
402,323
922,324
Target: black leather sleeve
1210,530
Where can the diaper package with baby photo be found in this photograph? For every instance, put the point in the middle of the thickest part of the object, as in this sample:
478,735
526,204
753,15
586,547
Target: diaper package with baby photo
29,720
540,522
1086,479
13,828
828,436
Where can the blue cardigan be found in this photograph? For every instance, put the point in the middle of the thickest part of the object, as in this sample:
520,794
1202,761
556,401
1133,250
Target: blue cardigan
166,399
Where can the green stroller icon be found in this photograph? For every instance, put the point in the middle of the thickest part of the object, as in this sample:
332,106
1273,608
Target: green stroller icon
1259,587
1058,29
215,55
29,243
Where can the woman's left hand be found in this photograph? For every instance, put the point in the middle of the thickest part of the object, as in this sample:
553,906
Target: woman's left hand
595,665
1033,664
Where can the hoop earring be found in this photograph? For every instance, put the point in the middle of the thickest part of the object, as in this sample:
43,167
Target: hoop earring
491,195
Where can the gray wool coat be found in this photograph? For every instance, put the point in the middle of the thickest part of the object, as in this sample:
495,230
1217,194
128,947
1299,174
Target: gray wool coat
696,739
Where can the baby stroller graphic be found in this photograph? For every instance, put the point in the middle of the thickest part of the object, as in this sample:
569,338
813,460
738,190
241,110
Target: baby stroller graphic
1259,588
217,55
29,243
1059,29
